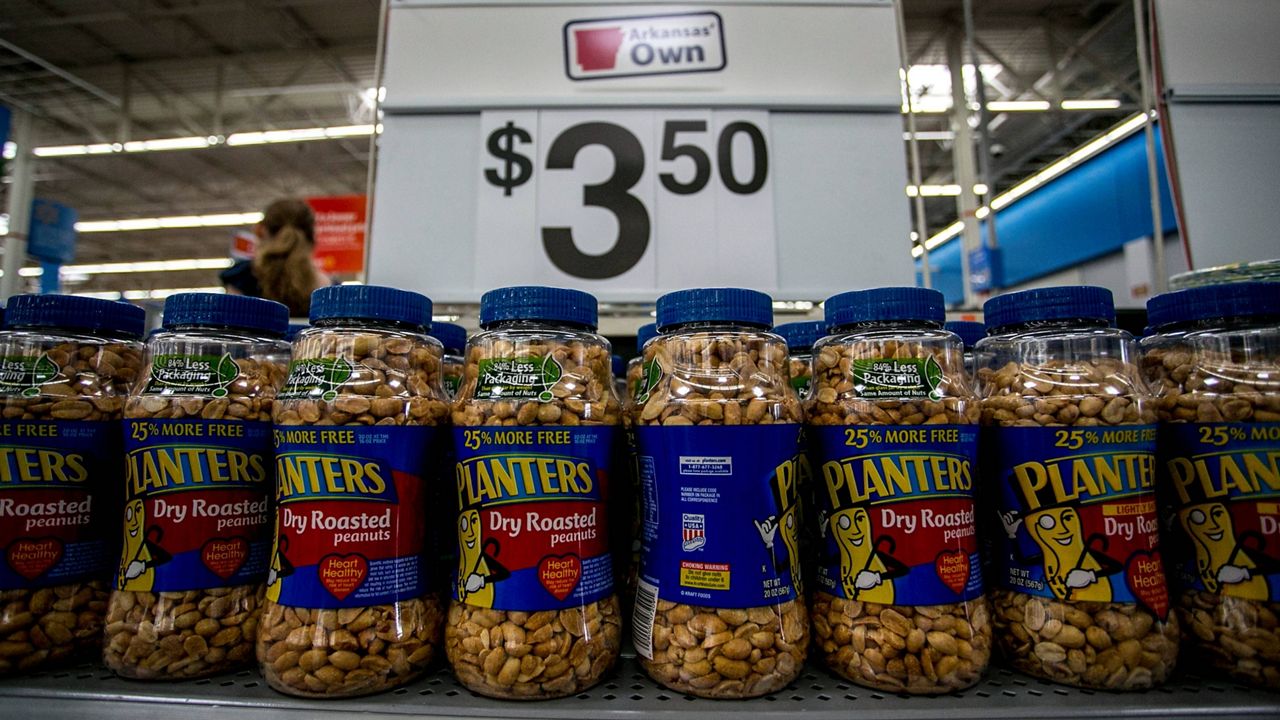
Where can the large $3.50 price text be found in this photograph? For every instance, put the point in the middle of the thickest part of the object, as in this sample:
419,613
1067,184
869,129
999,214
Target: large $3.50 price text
648,170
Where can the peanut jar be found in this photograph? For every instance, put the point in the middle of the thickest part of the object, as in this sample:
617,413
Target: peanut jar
969,333
635,366
198,482
1078,588
1214,363
537,428
454,339
66,365
800,338
898,602
719,608
352,603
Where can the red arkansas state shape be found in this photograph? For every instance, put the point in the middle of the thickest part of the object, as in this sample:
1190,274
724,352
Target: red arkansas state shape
559,574
32,558
224,556
342,574
952,567
1145,576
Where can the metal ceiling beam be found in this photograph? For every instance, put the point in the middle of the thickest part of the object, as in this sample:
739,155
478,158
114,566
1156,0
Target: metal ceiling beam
203,8
67,75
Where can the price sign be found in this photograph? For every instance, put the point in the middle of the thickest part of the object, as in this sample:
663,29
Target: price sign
634,198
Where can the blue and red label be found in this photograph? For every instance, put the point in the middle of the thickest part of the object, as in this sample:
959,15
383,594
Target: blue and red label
350,515
532,527
1077,514
197,504
720,513
896,513
59,489
1221,486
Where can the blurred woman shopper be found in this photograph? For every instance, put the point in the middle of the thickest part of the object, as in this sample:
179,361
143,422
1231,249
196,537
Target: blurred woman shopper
282,268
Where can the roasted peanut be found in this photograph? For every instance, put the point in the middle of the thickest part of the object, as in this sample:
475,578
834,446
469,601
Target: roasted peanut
86,379
392,378
538,653
724,377
922,649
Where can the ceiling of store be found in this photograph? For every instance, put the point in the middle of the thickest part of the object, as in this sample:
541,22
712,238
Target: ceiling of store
95,71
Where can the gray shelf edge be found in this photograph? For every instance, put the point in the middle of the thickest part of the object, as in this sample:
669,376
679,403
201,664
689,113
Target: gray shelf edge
628,693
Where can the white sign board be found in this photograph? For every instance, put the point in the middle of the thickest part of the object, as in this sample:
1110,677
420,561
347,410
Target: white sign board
631,150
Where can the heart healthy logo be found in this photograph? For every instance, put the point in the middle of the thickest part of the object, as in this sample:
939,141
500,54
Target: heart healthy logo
898,378
317,378
192,375
23,375
520,378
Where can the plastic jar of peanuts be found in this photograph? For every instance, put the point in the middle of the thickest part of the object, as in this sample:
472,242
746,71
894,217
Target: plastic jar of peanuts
800,338
898,602
635,366
1214,364
970,333
1079,593
351,606
537,427
454,339
198,483
719,609
66,365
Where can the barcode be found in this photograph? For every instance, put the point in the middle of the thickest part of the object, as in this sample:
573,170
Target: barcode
642,618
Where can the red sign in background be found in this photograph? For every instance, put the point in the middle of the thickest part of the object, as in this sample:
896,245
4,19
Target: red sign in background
340,225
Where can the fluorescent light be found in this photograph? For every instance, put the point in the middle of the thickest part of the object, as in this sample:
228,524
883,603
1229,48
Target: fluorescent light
10,150
803,305
1047,173
121,268
943,190
162,223
299,135
939,135
1102,104
199,143
1017,105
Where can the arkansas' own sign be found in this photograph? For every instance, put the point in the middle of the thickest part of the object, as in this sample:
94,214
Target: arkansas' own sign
340,232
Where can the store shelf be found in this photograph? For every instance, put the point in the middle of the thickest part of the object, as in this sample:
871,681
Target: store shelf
90,691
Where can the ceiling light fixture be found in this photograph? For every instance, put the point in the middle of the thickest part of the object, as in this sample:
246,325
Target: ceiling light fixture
1102,104
143,266
943,190
167,223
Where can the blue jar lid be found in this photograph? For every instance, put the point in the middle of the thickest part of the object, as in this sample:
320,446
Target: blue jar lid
452,337
619,365
294,328
726,305
231,311
647,332
970,332
538,303
891,304
1076,302
75,313
1210,302
802,335
370,302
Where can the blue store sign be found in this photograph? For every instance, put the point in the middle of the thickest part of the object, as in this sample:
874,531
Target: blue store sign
52,236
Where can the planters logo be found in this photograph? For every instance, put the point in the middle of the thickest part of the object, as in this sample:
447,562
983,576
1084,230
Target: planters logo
644,45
